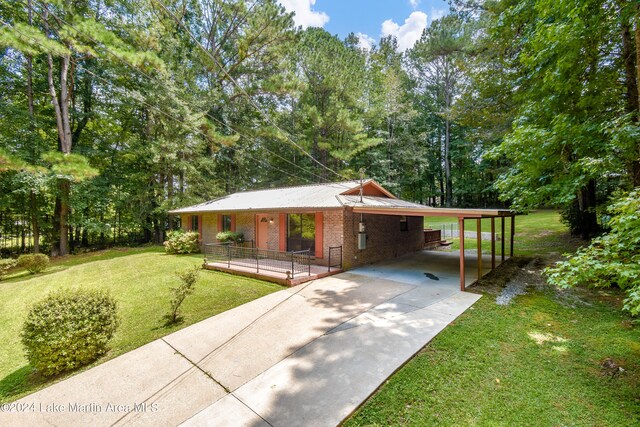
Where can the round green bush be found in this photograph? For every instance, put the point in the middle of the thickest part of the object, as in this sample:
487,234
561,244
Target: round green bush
69,329
230,236
35,263
179,242
6,264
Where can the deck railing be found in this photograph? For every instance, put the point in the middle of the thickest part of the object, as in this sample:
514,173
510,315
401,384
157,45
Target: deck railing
335,257
290,263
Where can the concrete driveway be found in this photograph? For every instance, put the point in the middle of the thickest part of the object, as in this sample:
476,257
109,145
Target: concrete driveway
307,355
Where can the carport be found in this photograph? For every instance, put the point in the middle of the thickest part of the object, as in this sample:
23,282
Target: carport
461,215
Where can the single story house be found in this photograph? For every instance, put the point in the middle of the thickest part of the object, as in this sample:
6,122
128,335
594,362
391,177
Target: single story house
314,217
364,221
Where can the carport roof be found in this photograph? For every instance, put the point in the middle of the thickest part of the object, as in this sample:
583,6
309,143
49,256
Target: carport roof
384,206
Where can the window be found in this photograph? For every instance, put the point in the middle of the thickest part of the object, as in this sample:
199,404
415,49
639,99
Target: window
194,223
404,225
301,232
226,222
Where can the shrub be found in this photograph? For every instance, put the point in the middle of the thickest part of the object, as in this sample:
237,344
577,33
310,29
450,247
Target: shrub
188,279
33,263
68,329
179,242
230,236
611,259
6,265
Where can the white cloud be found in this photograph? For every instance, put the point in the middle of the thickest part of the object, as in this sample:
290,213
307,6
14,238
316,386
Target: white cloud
364,41
437,13
408,33
304,15
414,3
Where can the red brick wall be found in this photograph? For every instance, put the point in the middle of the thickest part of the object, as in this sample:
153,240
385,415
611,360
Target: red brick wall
384,238
246,224
340,228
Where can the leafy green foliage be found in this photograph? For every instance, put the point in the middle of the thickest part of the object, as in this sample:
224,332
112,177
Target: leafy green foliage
69,329
69,166
230,236
6,264
548,89
188,279
179,242
33,263
612,259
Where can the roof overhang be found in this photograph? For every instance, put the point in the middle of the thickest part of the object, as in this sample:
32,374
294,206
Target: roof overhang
435,212
252,211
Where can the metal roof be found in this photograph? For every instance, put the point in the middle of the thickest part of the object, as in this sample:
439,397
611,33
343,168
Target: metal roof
380,202
301,197
330,196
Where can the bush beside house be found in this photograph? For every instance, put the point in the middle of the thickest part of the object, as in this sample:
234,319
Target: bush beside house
179,242
230,237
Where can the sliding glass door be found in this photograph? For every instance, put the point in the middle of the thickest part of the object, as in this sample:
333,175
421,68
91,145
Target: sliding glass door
301,232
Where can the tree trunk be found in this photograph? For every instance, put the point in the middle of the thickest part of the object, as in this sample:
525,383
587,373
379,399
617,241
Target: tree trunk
33,203
631,79
630,60
588,220
63,188
55,232
35,225
30,64
447,163
61,108
635,166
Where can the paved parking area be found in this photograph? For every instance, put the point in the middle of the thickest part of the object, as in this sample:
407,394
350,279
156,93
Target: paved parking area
307,355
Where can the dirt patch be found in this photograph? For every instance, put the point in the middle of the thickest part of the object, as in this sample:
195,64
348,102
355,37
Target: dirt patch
519,274
611,368
494,282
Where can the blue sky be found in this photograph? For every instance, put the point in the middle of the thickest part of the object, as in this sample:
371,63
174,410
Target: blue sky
370,19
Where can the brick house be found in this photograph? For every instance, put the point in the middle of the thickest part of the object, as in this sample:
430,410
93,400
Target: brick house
314,217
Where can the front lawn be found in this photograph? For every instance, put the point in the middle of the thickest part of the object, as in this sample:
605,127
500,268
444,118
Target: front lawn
549,358
138,278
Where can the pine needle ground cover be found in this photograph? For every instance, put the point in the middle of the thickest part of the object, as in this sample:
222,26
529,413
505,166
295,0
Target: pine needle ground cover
138,278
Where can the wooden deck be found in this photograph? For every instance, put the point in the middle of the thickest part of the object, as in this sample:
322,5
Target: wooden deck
317,272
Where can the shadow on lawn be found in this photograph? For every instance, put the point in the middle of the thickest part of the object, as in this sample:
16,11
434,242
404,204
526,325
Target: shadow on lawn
20,381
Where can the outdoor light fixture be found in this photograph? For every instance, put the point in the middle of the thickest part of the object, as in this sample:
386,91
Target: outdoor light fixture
270,220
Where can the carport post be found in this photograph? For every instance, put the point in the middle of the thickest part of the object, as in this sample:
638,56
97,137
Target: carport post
479,237
501,239
493,243
461,236
513,233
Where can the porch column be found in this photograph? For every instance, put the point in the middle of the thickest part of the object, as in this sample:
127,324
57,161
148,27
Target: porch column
461,236
493,243
479,237
502,239
513,233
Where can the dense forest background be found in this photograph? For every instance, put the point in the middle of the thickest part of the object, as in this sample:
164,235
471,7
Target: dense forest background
112,112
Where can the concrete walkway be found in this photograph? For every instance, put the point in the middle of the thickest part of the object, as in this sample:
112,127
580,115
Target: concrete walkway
307,355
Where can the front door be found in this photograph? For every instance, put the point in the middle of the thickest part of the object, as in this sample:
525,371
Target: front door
263,231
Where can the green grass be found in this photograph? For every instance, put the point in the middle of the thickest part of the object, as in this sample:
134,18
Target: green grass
138,278
490,368
537,361
539,232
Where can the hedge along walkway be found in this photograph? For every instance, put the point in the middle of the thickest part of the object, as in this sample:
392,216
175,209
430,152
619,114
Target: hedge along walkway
138,278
